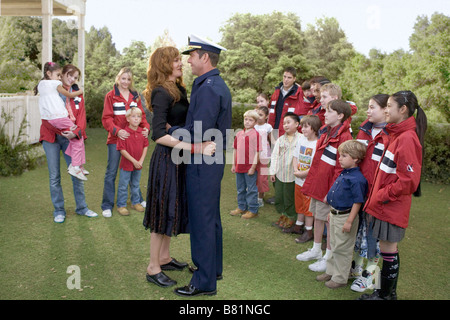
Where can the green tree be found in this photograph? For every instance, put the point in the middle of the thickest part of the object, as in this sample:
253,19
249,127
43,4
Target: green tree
259,48
100,72
327,48
427,70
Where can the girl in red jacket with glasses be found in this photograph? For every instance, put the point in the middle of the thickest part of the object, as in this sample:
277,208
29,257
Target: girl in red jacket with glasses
397,178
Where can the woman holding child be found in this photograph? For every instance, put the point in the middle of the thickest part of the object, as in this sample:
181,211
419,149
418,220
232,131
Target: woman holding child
54,141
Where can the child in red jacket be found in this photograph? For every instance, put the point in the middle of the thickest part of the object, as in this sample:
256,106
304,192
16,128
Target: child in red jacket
324,170
396,179
372,134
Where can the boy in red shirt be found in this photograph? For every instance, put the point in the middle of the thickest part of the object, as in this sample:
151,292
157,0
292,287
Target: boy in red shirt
245,159
325,168
133,151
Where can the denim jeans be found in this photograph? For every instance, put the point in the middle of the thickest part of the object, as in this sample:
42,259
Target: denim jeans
52,152
126,178
247,197
109,185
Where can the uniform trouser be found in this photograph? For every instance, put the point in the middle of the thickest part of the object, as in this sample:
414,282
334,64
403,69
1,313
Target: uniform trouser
342,246
203,195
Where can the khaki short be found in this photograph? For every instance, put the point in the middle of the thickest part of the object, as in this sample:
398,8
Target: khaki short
319,209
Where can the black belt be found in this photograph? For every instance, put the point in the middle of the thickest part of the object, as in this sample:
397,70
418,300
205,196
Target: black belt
334,211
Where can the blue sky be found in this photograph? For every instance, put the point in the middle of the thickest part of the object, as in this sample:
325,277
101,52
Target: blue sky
382,24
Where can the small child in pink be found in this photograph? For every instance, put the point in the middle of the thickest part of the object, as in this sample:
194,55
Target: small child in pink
53,109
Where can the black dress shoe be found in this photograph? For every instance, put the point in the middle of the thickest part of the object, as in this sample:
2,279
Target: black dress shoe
160,279
174,265
192,269
191,291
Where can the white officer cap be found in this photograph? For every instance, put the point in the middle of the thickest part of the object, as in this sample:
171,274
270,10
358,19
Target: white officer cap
195,42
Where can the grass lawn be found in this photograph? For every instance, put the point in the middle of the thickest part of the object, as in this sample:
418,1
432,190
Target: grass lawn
112,254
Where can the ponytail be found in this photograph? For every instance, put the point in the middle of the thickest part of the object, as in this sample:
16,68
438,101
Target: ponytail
409,99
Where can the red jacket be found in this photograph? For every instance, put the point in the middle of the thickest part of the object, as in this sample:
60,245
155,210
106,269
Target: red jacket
374,152
114,110
398,175
325,167
48,132
293,103
317,110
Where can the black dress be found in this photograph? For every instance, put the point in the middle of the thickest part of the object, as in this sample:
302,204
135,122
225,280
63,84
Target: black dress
166,210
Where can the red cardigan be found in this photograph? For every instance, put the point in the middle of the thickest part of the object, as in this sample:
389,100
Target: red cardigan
397,176
325,167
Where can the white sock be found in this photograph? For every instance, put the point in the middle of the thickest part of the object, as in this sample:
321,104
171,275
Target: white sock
317,246
327,254
308,228
299,223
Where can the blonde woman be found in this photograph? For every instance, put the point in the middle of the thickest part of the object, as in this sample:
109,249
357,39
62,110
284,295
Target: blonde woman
121,98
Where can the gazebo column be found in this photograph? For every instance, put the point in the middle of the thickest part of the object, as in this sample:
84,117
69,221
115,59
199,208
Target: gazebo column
81,46
47,14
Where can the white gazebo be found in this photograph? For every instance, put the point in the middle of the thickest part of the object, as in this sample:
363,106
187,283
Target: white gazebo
21,105
47,9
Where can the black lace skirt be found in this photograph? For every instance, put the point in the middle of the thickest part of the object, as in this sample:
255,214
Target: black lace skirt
166,210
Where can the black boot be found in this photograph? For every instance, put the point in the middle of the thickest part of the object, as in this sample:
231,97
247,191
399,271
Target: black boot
388,280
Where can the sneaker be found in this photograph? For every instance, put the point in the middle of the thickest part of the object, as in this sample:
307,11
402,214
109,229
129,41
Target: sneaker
76,172
309,255
138,207
144,203
123,211
355,272
85,172
249,215
59,218
107,213
237,212
319,266
90,214
364,282
260,202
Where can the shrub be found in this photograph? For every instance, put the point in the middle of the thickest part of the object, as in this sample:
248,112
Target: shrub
14,152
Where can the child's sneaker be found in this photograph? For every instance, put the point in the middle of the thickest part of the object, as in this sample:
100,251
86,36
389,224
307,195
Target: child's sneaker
59,218
237,212
319,266
309,255
355,272
85,172
364,282
76,172
107,213
249,215
260,202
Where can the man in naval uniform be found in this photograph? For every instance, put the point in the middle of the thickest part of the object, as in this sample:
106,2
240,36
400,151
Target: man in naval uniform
208,118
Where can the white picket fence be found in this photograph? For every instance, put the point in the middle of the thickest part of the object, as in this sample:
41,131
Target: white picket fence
20,106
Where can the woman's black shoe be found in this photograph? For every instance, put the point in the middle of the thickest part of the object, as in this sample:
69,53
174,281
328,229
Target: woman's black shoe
160,279
174,265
